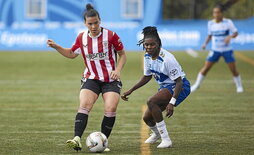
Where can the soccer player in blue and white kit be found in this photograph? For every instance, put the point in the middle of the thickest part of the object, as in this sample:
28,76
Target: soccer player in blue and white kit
220,31
174,87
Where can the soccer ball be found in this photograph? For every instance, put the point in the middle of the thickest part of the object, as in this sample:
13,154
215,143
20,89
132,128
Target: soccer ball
96,142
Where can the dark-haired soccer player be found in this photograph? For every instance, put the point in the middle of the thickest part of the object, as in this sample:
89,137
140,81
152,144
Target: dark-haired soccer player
174,87
220,31
98,47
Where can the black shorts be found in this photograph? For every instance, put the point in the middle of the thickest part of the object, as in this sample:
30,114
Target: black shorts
98,86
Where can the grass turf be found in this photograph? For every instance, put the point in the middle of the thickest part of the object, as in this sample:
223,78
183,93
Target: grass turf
39,98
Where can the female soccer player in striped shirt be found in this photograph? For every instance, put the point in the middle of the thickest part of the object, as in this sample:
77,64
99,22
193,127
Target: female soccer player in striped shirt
98,47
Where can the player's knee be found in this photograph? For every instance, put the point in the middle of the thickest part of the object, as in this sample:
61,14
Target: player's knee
110,107
151,103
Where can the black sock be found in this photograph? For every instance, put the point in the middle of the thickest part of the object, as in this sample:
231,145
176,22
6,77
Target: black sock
107,125
80,124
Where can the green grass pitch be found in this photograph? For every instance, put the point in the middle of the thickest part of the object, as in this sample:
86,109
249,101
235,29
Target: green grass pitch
39,99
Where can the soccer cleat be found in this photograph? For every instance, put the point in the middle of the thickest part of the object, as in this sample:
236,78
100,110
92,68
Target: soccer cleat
107,150
239,89
165,143
74,143
153,138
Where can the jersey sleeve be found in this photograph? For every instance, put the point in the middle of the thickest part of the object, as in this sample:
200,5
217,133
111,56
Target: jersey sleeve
147,71
232,27
76,47
117,43
209,32
172,69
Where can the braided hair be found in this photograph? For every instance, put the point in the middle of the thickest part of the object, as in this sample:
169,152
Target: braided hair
150,32
91,12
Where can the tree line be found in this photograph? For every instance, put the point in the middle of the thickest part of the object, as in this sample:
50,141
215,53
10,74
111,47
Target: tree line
202,9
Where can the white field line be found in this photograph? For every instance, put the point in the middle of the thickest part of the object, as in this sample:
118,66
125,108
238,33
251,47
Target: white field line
244,58
191,52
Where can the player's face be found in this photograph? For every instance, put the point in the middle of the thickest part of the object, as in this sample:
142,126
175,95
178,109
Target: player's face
93,25
217,14
152,47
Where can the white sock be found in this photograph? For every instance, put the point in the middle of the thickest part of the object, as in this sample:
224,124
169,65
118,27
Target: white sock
199,79
238,81
163,130
154,129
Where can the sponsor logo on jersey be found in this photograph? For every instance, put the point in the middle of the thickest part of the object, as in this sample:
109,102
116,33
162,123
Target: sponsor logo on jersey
162,55
173,72
97,56
105,43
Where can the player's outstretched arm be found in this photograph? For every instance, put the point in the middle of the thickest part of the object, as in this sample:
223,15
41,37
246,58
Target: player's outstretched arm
170,106
64,51
144,80
209,37
115,74
228,38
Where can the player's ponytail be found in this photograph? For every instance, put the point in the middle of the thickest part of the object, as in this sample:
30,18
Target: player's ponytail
150,32
89,7
91,12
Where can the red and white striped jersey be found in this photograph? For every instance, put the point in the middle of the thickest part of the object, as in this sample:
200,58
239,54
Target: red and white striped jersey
99,53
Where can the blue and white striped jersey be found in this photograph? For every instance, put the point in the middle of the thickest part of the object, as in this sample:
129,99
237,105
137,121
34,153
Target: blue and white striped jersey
165,68
219,32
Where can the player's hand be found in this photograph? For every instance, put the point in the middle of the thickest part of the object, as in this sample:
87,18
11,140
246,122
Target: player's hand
51,43
169,110
125,95
203,46
115,75
227,40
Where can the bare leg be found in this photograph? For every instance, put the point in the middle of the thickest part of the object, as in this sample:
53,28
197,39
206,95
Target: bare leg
201,75
207,66
156,104
232,68
87,100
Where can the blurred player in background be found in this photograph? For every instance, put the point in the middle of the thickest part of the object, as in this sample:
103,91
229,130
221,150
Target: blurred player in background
99,48
174,87
220,31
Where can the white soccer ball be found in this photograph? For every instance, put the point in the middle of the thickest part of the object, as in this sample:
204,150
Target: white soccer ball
96,142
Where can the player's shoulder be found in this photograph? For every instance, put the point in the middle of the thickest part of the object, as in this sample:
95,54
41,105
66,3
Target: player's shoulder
108,31
165,53
80,34
227,20
147,56
210,22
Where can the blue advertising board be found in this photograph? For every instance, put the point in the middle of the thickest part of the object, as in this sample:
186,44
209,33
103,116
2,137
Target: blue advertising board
63,21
